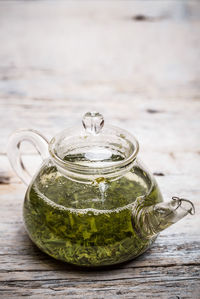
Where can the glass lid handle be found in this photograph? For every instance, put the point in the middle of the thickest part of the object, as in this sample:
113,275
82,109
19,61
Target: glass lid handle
93,122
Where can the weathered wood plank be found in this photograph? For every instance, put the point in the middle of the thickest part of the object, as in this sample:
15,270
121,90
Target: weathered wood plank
77,275
119,56
146,284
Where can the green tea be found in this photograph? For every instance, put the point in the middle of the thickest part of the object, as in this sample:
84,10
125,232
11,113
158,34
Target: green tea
88,224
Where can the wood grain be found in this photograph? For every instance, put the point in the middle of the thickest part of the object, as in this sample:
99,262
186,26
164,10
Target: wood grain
137,62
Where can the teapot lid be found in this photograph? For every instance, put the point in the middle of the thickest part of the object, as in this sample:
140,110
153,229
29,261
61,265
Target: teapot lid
95,146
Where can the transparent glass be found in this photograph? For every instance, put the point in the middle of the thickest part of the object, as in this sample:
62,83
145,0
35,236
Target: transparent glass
88,224
92,203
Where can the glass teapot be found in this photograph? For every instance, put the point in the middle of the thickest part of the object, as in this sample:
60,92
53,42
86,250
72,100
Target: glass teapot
92,203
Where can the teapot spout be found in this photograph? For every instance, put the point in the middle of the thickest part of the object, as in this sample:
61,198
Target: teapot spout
153,219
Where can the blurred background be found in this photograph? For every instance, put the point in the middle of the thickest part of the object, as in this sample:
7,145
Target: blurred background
136,62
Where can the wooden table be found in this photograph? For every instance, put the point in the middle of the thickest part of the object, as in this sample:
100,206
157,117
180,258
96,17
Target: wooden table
137,62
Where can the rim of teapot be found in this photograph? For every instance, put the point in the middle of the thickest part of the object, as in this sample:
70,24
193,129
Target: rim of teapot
95,168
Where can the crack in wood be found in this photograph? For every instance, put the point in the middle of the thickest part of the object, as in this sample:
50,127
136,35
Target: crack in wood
151,266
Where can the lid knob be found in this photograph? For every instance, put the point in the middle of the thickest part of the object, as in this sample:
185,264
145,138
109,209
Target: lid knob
93,122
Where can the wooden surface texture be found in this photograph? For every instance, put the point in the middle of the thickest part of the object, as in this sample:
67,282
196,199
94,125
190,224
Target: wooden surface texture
136,62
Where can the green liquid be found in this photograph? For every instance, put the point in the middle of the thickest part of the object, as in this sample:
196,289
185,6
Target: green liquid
87,224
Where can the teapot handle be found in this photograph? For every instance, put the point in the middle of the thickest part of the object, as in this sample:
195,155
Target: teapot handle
14,154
